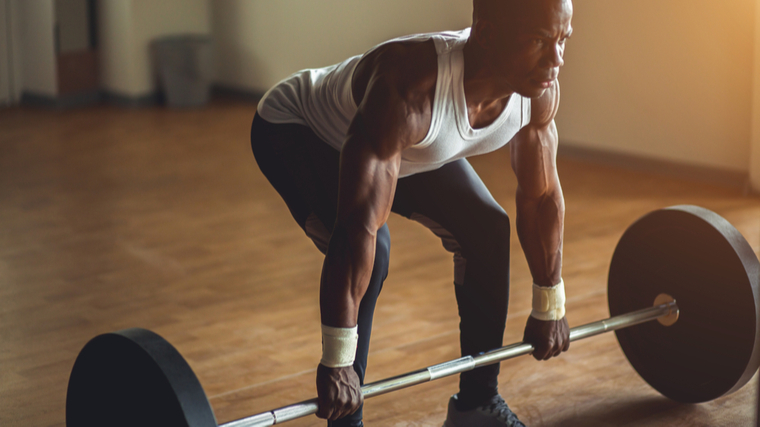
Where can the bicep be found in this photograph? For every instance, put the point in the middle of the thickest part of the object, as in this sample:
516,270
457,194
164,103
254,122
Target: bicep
385,124
371,158
367,184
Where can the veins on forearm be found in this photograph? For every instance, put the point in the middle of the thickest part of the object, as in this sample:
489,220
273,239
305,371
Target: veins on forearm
540,216
540,231
345,275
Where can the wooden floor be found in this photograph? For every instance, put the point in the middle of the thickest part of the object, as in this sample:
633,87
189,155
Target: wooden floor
113,218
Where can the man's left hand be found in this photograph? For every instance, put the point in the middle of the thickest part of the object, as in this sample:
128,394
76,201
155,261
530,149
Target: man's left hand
549,338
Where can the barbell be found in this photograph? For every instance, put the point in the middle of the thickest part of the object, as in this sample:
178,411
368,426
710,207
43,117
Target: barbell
684,266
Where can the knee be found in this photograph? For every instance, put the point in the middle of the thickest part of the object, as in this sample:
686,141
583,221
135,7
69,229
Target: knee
501,224
315,229
497,232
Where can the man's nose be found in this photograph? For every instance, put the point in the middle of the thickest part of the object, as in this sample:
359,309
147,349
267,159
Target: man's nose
554,57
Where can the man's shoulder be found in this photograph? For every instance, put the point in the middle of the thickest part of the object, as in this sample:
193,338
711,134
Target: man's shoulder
394,89
409,68
403,52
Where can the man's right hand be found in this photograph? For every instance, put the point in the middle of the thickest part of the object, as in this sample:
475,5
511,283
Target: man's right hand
339,392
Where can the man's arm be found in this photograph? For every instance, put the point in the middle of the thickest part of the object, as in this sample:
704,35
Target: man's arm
388,121
540,215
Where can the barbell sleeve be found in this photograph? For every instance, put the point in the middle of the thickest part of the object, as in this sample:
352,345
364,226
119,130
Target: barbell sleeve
467,363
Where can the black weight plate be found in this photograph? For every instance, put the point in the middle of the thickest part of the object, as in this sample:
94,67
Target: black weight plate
134,378
703,262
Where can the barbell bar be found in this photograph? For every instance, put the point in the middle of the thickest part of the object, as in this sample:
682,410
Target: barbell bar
667,310
705,346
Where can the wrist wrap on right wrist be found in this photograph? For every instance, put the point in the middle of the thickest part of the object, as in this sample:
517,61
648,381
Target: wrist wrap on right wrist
338,346
549,302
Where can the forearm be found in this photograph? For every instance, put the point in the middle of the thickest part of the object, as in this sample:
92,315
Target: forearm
540,225
345,275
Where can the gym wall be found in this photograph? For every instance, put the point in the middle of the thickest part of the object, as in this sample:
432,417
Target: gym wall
126,28
755,138
670,80
262,42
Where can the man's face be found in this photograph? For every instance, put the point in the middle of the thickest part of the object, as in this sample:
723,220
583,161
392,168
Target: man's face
528,47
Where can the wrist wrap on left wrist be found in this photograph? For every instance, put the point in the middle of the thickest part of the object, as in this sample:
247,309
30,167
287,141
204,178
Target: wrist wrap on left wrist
549,302
338,346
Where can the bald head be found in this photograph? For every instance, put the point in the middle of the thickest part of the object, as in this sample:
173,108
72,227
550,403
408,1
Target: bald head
507,11
492,8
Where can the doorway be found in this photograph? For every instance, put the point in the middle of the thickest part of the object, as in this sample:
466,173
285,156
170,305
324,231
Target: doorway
7,89
76,47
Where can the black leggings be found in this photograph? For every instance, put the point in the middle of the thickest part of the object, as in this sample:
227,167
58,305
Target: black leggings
451,201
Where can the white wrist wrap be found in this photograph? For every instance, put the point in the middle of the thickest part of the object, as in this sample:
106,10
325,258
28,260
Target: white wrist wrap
338,346
549,303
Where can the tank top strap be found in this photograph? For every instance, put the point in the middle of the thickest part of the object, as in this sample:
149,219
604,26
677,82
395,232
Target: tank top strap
447,46
444,41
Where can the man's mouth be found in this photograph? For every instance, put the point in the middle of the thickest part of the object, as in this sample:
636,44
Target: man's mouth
544,83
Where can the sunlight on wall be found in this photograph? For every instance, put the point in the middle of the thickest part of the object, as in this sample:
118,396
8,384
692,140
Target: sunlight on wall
664,79
755,141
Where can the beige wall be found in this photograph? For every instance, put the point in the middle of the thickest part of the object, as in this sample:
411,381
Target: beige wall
260,42
37,57
126,29
667,79
115,47
755,139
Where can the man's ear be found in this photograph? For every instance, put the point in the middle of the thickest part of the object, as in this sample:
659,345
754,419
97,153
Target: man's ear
484,32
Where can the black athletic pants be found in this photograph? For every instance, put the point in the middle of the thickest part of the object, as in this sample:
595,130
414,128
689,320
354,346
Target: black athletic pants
451,201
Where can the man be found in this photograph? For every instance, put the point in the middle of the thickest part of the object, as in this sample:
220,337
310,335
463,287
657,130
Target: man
389,131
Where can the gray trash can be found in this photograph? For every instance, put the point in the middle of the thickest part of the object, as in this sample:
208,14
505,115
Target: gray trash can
185,68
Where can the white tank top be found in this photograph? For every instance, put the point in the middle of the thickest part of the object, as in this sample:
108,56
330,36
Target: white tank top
322,100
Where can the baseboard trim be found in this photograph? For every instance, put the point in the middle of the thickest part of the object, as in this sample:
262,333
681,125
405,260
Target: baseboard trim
151,99
718,176
127,101
236,93
38,100
87,99
77,100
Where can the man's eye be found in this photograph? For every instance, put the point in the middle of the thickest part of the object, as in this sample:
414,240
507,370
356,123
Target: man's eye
538,42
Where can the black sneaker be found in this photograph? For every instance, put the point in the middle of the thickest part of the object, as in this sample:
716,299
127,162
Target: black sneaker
495,413
355,424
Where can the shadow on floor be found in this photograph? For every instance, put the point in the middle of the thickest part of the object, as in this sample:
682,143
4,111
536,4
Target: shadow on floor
648,411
